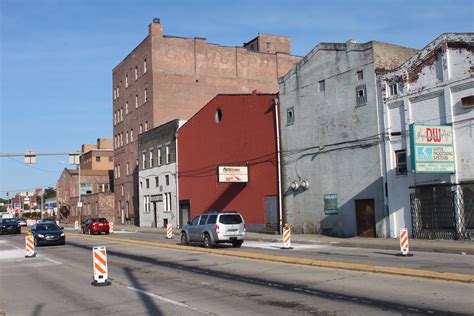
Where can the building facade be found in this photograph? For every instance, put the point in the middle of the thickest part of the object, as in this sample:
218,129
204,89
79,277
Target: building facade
167,77
96,176
227,160
434,90
331,139
157,175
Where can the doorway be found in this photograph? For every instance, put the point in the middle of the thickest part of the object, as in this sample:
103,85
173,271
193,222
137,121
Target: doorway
184,212
155,215
365,215
271,213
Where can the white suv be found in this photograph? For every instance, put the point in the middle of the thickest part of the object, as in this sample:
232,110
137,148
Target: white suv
211,228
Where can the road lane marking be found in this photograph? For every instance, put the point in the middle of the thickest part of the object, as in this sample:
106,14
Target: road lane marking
164,299
12,254
444,276
53,261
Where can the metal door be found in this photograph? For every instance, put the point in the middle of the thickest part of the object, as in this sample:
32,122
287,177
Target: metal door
271,212
184,212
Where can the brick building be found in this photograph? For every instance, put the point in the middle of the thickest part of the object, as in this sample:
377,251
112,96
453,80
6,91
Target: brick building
96,188
167,77
238,171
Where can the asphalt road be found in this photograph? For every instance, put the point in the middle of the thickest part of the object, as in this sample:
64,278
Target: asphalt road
155,281
439,262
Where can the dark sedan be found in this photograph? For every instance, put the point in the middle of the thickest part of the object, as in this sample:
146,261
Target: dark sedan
48,234
9,226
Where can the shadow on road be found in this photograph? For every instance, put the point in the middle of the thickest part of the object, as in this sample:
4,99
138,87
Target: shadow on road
148,302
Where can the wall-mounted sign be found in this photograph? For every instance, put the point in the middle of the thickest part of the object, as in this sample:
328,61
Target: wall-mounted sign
233,174
432,148
330,204
156,198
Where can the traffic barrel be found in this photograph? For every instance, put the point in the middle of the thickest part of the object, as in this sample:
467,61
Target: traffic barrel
101,275
169,231
30,246
76,225
404,248
286,237
111,227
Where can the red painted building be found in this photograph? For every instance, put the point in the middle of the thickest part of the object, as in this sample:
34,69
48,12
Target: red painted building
233,131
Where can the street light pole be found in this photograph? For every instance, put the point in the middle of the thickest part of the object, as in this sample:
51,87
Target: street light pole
79,200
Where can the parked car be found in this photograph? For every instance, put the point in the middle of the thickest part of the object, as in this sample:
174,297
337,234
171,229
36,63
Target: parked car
95,225
215,227
22,222
48,234
9,226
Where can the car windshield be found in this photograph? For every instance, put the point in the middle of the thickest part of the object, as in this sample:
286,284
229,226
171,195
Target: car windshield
8,220
47,227
230,219
99,220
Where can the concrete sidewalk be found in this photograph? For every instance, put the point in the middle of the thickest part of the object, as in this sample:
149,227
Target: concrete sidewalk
441,246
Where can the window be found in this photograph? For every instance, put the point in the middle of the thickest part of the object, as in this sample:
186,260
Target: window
121,187
157,181
147,181
137,162
145,95
141,129
126,81
167,179
401,160
115,118
126,108
136,73
290,115
111,158
393,89
115,94
212,219
360,75
143,161
121,139
361,95
121,114
203,219
144,66
168,154
126,138
128,169
131,135
118,171
151,158
136,101
146,204
160,159
97,158
115,142
267,45
322,86
141,185
195,221
146,126
115,171
118,92
218,115
467,102
167,202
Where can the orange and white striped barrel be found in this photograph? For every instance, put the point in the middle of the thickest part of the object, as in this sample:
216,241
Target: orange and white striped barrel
111,227
169,231
286,237
76,225
29,246
101,274
404,249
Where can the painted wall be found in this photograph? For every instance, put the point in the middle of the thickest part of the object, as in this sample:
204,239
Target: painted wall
245,136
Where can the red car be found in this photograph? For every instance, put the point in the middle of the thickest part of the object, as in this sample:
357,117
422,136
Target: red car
95,225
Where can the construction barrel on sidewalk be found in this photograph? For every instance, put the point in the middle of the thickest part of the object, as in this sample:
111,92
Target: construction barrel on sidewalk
76,225
111,227
286,237
169,231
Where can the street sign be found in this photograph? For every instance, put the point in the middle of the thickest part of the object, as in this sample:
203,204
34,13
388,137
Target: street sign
30,157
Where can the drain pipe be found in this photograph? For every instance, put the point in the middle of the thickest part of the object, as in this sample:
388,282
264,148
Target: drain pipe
277,126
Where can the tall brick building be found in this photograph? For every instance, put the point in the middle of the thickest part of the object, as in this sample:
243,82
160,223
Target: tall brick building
167,77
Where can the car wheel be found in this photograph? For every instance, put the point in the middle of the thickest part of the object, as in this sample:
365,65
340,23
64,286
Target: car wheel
35,242
184,239
237,244
207,241
107,232
83,230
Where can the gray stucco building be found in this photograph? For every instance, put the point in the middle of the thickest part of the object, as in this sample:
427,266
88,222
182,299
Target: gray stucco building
332,156
157,175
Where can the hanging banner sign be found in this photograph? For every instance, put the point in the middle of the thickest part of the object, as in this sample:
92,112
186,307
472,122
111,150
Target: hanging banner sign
233,174
330,204
432,148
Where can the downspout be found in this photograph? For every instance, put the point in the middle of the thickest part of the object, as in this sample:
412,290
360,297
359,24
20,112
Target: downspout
277,126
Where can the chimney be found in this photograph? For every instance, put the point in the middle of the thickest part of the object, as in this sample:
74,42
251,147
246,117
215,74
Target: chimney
155,28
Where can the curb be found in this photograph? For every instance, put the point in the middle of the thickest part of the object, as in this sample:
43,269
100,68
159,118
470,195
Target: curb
455,277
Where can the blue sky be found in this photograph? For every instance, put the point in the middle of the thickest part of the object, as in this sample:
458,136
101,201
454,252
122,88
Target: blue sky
57,56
